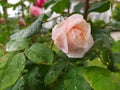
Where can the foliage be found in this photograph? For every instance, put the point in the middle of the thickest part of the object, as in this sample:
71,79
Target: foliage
116,12
29,60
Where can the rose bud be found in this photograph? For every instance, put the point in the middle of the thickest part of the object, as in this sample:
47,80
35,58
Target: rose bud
2,20
35,11
73,36
21,22
39,3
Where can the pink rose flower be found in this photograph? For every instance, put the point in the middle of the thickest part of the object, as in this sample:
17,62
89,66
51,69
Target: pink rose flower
2,20
39,3
73,36
21,22
35,11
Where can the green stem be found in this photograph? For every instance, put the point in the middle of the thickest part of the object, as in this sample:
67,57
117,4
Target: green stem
5,9
52,43
52,19
22,8
100,57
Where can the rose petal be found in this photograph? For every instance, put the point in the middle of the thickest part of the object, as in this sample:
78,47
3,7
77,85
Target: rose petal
79,53
61,42
73,20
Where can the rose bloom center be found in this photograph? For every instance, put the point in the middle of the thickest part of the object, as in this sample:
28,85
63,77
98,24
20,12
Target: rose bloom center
75,38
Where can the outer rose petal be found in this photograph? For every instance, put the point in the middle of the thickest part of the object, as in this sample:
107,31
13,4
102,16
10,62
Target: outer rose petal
73,36
81,51
35,11
61,42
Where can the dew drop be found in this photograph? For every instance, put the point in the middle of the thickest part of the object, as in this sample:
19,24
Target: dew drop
75,87
2,81
22,62
51,73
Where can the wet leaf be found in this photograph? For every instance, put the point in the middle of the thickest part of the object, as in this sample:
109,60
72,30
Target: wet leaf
10,68
19,85
54,72
75,81
60,6
15,45
17,40
100,78
32,83
100,6
40,53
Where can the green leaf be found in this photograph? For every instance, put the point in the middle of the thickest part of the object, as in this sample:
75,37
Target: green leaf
99,24
97,44
32,29
100,78
48,3
15,45
117,57
19,85
115,25
32,83
47,15
54,72
10,68
75,81
107,55
59,84
96,62
100,6
104,36
34,76
3,36
116,49
1,52
78,7
40,53
117,75
116,12
116,46
23,34
108,58
60,6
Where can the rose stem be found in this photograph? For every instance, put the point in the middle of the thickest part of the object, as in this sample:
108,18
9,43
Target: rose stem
52,43
86,9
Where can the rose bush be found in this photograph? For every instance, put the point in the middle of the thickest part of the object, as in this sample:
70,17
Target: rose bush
28,53
73,36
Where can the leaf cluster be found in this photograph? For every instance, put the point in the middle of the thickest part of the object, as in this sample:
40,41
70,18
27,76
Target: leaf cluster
29,60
